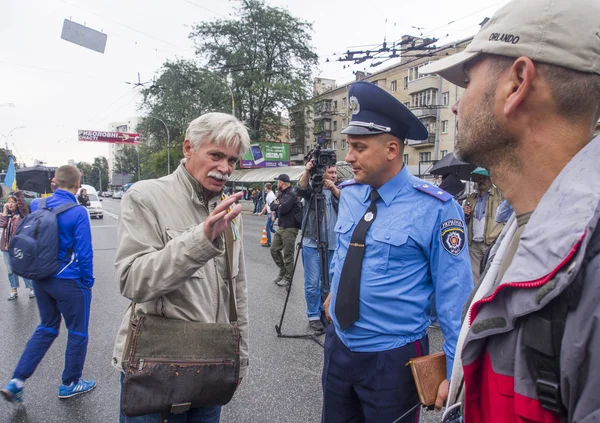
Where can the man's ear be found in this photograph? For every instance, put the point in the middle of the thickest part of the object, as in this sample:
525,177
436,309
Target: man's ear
187,149
394,147
518,85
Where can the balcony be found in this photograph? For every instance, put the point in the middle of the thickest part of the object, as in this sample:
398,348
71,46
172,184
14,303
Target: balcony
429,142
423,84
424,112
325,135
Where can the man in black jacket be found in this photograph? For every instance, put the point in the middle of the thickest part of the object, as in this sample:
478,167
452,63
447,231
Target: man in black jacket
288,208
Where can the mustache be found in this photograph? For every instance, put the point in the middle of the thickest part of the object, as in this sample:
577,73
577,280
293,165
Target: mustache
218,175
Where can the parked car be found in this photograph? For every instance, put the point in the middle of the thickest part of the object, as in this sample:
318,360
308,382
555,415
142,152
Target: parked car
107,194
117,195
95,208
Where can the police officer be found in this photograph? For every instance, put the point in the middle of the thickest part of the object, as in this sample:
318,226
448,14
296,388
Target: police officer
400,240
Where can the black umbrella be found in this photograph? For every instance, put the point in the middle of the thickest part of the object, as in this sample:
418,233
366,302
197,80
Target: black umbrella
450,164
36,179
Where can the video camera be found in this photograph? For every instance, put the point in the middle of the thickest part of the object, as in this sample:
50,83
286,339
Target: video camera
322,159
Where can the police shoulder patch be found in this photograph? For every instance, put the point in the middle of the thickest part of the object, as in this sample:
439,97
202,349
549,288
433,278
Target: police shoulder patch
434,191
452,233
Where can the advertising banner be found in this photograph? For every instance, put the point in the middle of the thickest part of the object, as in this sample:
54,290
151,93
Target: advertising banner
267,154
109,137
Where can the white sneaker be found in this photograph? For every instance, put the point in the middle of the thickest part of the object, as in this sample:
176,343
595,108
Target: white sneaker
13,296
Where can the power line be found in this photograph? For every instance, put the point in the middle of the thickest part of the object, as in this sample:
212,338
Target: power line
59,71
205,8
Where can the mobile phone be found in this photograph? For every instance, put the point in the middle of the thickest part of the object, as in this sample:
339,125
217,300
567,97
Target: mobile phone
257,154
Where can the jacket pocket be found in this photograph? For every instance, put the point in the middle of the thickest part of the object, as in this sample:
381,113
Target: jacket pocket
391,251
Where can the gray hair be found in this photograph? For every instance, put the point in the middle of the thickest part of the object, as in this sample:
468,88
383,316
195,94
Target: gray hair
218,128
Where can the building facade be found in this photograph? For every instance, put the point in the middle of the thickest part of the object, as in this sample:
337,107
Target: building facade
130,125
429,97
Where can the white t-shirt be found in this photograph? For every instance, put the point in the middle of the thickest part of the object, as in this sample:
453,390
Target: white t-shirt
270,198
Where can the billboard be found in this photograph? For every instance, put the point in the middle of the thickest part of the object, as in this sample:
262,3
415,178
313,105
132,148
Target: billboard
109,137
267,154
83,36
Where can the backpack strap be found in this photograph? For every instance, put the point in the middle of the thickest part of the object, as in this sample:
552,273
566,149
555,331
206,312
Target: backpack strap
62,208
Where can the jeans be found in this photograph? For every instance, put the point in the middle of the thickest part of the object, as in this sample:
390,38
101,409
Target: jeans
55,297
312,281
258,207
195,415
269,228
12,277
282,250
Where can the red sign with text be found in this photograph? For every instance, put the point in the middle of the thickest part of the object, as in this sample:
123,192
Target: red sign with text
109,137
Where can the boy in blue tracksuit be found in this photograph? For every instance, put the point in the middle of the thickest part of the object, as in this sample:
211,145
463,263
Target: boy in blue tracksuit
67,292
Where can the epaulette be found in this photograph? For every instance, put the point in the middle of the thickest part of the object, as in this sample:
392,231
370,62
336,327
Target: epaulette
347,183
434,191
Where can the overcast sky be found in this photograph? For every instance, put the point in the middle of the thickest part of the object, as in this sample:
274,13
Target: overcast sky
58,87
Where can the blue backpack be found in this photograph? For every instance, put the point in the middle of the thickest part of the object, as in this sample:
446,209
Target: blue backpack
33,249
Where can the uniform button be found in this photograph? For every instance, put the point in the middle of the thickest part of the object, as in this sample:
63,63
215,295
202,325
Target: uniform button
387,237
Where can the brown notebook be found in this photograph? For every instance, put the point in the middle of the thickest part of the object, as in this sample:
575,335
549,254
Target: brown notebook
429,372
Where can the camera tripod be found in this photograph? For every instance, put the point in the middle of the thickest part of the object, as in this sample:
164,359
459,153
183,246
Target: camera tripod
317,200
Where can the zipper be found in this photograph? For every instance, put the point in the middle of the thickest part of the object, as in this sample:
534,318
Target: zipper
218,290
474,309
143,361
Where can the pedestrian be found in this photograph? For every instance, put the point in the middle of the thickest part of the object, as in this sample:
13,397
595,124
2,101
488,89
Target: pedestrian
68,293
452,184
83,198
258,202
311,260
289,210
13,211
480,211
173,263
269,198
400,240
529,347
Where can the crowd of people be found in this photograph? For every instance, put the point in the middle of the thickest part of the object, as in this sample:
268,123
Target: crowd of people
510,273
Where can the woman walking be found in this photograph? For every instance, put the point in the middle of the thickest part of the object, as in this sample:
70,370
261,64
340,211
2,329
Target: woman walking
13,212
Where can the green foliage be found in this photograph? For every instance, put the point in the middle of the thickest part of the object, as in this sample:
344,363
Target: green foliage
269,56
90,173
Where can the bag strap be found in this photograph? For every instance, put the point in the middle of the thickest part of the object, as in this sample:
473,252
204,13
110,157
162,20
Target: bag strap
229,259
63,208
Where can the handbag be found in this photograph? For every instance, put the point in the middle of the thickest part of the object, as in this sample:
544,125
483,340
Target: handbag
173,365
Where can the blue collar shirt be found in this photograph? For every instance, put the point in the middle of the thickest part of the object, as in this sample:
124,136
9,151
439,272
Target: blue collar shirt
405,266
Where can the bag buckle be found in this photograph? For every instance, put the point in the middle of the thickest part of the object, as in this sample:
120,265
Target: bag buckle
181,407
549,395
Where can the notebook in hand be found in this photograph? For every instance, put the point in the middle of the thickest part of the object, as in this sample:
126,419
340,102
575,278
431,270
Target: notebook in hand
429,371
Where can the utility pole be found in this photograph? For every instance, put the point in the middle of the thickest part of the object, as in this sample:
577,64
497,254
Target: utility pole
99,176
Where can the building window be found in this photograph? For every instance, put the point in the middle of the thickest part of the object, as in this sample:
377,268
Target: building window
344,145
334,105
407,105
335,125
344,122
413,73
444,127
327,125
405,159
443,153
344,102
394,86
405,82
445,98
425,157
335,145
424,98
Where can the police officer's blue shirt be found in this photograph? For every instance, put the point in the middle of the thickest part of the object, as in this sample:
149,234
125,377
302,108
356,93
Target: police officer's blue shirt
415,248
74,234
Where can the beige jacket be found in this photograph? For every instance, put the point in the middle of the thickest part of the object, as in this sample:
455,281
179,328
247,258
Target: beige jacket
492,228
167,265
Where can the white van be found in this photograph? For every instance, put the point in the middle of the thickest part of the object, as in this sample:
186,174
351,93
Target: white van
95,209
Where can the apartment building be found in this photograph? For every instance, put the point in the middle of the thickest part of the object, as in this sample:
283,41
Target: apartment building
429,97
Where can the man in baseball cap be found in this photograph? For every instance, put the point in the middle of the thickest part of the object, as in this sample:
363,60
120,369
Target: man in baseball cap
530,346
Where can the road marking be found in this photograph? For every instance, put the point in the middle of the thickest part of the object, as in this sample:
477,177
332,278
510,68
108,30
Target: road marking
109,214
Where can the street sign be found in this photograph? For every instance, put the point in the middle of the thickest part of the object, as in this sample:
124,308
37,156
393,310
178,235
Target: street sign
109,137
83,36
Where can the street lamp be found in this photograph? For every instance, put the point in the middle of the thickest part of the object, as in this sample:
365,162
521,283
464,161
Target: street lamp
99,176
168,145
10,132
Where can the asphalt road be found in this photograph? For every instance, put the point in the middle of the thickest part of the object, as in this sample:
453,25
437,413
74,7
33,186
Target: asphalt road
284,382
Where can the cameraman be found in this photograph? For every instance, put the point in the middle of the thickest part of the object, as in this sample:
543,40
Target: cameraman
310,254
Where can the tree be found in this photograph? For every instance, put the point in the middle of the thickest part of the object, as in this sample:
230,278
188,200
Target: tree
268,53
86,172
94,179
126,160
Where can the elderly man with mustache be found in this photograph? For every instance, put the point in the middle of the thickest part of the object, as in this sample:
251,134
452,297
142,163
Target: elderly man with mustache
171,258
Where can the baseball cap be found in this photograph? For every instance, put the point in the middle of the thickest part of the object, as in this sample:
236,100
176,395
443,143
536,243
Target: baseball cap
283,178
481,171
557,32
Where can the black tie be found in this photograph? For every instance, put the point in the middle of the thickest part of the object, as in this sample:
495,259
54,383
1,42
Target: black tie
348,294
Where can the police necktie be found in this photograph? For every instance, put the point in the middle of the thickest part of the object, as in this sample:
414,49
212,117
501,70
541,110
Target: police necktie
348,294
